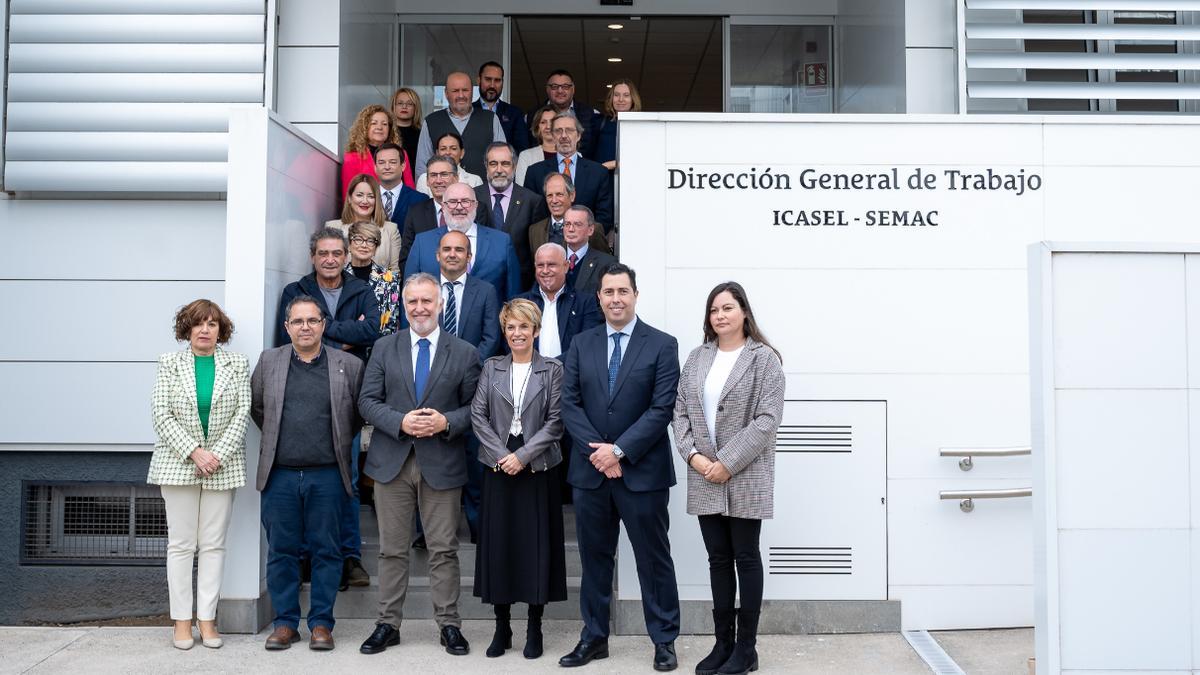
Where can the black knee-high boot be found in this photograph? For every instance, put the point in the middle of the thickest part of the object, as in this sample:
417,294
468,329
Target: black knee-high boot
502,640
533,632
724,631
744,658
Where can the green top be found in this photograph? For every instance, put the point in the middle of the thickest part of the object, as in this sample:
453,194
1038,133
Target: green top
206,374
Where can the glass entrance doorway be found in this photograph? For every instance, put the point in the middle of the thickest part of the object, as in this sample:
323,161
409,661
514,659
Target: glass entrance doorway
676,62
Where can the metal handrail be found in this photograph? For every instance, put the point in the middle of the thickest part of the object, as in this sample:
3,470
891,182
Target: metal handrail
967,497
966,463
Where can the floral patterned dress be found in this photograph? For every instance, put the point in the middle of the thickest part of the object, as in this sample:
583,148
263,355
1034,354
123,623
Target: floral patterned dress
387,294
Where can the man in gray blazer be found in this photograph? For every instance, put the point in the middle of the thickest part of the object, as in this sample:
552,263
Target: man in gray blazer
304,398
417,392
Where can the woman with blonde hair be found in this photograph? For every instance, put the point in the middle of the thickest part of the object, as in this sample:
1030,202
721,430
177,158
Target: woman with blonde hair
372,128
622,97
200,406
515,415
406,111
363,203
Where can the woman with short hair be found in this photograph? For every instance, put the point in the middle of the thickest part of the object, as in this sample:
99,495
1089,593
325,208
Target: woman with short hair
727,410
515,415
200,406
363,203
365,237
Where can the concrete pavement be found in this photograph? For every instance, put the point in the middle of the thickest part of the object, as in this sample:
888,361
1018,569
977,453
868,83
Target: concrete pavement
148,650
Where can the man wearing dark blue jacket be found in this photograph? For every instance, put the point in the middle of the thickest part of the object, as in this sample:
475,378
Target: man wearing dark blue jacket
512,118
618,397
347,303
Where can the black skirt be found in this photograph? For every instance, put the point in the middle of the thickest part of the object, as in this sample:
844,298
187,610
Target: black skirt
520,556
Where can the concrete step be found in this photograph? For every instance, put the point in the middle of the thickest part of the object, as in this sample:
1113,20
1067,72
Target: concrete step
363,602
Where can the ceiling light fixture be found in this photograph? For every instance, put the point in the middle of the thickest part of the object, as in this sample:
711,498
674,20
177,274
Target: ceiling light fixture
614,59
615,26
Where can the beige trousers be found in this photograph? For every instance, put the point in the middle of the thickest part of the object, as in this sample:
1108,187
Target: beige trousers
197,520
395,504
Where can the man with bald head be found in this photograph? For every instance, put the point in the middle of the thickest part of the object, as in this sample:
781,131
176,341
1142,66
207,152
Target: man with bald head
477,126
565,311
493,259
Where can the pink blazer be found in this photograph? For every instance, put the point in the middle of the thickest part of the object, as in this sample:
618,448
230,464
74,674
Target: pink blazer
354,163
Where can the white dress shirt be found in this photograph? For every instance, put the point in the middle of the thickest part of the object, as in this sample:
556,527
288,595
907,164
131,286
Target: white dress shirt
458,293
433,340
549,344
722,366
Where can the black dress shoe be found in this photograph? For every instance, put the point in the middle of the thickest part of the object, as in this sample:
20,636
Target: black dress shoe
664,656
384,636
584,652
454,642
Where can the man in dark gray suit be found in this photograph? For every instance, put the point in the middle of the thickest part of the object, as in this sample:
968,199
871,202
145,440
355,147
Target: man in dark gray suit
417,392
304,400
585,262
506,206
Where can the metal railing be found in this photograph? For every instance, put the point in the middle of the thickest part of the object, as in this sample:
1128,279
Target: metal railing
966,463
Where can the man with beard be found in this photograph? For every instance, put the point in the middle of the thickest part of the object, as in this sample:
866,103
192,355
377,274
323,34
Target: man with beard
512,118
593,182
417,391
494,259
506,206
477,127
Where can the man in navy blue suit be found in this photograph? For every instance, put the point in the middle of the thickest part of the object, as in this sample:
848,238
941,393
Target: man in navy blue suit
618,396
493,257
397,197
593,182
512,118
570,312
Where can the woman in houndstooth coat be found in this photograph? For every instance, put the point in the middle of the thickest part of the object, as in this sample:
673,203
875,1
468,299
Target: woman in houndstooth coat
727,411
201,403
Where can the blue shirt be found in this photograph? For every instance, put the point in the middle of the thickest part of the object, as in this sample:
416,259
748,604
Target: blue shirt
627,331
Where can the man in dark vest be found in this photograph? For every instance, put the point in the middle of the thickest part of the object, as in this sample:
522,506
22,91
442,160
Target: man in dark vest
478,127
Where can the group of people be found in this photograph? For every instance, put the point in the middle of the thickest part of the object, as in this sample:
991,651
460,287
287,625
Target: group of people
509,354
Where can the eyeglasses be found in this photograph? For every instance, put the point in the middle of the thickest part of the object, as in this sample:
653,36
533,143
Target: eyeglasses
560,87
459,202
310,322
440,174
565,131
405,104
364,240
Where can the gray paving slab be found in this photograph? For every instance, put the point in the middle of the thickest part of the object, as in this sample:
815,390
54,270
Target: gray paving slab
148,650
24,648
989,652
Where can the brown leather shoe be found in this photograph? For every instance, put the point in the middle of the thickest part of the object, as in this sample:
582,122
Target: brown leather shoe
321,639
282,638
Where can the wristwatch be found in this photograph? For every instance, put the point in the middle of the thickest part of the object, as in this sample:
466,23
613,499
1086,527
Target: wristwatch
617,452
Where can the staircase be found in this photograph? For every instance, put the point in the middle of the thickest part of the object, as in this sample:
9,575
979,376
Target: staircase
363,602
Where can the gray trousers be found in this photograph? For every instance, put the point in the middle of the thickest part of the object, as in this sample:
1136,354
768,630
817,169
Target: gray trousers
395,506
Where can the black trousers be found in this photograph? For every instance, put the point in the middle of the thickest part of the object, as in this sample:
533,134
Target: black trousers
733,542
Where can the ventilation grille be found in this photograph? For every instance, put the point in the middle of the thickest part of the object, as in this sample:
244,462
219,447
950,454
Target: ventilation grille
128,95
92,524
814,438
1081,56
810,560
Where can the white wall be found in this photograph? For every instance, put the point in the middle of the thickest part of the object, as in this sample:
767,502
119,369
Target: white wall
931,320
89,305
282,188
1114,354
931,56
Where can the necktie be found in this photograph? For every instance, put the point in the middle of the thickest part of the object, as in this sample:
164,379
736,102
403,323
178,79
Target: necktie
498,213
614,362
567,167
421,374
450,312
387,204
556,232
571,261
442,217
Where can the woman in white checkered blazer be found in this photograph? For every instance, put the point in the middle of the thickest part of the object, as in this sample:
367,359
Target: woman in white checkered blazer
201,404
727,411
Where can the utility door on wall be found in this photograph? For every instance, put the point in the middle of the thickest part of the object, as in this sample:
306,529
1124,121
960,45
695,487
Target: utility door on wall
828,540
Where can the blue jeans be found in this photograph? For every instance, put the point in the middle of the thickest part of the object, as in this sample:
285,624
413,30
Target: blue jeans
302,508
351,530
